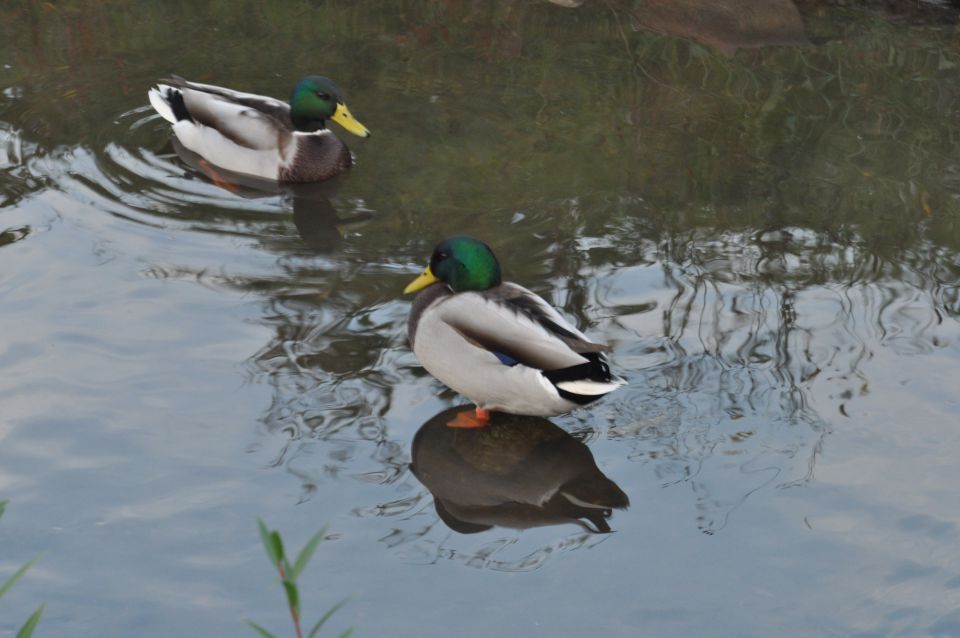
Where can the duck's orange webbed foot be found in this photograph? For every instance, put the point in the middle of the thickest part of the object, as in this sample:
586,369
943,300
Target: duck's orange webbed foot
215,177
470,419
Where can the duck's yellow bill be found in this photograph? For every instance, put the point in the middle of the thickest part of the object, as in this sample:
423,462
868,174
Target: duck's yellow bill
342,117
421,282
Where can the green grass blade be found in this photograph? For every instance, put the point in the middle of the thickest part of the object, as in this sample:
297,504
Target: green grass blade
266,538
260,630
27,630
277,544
3,507
307,553
347,633
326,617
16,576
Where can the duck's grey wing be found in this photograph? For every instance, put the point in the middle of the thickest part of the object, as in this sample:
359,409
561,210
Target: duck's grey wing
253,121
490,323
527,303
272,107
241,124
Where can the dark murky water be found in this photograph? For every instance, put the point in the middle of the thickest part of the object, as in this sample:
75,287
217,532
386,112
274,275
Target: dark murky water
761,215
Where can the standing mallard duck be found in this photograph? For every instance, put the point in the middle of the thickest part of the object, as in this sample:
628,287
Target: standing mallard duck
259,135
496,342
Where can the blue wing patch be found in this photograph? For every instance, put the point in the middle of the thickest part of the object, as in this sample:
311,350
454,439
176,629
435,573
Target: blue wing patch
506,360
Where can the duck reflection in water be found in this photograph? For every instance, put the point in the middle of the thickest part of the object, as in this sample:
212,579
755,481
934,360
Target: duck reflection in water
314,215
518,472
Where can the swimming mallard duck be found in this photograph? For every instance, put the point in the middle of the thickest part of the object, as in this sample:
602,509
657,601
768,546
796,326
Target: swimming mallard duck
259,135
496,342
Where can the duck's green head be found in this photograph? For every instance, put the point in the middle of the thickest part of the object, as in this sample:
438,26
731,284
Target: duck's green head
314,100
461,262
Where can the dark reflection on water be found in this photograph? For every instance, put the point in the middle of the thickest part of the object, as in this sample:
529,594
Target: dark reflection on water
314,215
519,472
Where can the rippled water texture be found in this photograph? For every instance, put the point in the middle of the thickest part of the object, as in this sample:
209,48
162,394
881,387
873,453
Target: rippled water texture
757,208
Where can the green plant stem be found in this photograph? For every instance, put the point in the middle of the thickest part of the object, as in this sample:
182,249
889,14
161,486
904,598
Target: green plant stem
293,611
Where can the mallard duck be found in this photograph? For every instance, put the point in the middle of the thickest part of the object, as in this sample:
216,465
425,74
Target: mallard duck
518,472
497,343
259,135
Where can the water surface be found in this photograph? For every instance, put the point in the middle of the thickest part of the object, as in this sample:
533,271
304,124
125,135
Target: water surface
762,222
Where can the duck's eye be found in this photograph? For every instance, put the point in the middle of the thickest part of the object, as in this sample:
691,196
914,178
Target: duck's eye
323,96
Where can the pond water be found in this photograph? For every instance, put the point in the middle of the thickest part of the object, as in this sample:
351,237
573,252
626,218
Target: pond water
760,214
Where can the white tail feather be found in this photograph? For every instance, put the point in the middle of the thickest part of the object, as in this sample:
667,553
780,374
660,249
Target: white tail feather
160,104
587,388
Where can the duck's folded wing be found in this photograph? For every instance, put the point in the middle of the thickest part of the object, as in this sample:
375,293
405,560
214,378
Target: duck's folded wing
241,124
265,104
527,303
496,325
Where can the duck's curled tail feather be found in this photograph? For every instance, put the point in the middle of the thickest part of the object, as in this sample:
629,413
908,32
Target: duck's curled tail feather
168,102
